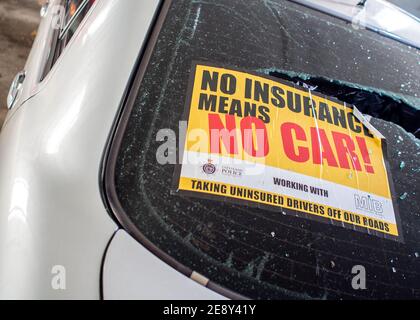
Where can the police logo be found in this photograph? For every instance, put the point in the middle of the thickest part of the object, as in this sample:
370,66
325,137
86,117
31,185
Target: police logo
209,168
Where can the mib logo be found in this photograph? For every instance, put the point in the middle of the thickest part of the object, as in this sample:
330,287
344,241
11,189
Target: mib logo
366,203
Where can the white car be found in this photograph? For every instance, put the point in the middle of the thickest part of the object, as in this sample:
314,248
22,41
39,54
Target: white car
88,212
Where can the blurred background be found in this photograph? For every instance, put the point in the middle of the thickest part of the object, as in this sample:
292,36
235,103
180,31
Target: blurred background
19,21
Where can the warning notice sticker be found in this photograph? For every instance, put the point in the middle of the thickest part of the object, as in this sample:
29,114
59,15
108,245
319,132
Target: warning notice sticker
258,140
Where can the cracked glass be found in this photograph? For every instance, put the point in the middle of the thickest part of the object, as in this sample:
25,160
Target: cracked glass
252,251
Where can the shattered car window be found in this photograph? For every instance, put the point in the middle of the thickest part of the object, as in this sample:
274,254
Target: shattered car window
252,251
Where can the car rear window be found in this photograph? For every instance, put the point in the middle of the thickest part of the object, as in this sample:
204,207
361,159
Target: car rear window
251,250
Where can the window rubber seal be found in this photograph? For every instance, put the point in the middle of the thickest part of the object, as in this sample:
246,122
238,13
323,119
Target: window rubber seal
113,145
72,19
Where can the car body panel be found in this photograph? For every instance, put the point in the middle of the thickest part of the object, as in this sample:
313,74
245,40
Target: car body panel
378,15
127,269
51,149
37,57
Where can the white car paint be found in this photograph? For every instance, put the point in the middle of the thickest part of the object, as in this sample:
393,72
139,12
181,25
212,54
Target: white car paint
51,149
126,257
51,211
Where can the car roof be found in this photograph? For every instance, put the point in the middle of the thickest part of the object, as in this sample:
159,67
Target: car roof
377,15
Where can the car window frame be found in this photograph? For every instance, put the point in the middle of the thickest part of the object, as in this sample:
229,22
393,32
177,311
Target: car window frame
58,46
106,178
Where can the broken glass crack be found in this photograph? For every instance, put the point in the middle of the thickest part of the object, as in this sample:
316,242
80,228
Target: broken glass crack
396,108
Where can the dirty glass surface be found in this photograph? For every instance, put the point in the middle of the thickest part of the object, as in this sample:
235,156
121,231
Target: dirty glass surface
256,252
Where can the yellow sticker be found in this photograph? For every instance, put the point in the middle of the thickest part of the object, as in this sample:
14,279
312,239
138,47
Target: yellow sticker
269,142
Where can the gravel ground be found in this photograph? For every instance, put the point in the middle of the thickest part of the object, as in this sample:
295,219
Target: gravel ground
19,20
